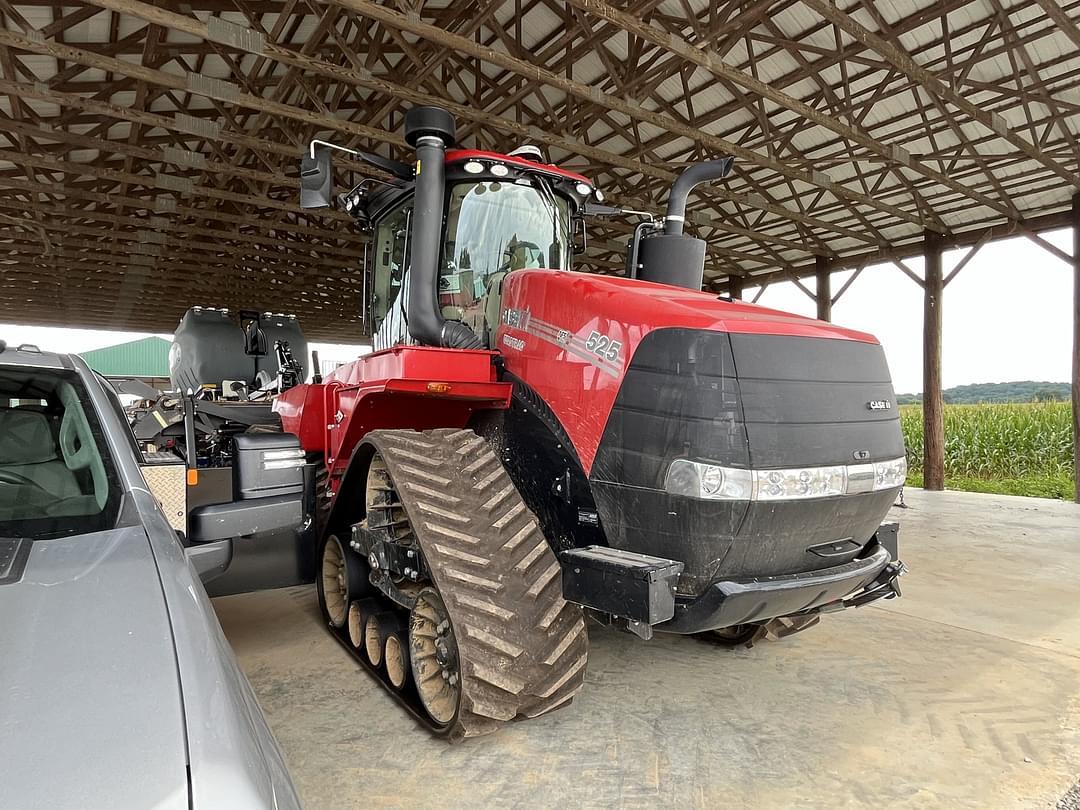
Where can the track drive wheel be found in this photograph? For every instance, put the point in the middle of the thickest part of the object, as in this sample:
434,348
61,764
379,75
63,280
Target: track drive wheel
490,638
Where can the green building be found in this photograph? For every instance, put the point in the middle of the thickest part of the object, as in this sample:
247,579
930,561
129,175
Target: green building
147,358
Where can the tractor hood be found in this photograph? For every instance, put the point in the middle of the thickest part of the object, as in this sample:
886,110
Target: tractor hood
573,335
90,703
655,306
655,387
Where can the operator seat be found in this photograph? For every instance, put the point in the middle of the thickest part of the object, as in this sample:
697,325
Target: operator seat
28,448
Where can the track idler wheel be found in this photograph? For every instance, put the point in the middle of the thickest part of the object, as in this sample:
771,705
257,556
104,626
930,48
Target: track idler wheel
341,579
433,650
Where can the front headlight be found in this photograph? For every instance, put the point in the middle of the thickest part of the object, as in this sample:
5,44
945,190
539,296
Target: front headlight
696,479
808,482
889,474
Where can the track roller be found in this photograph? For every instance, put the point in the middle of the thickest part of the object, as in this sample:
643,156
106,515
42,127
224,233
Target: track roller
377,627
356,625
359,611
396,660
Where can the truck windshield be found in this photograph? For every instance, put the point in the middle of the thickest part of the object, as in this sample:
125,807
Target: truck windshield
55,477
494,227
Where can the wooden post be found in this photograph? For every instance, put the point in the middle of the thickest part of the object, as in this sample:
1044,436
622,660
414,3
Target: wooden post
735,286
933,405
1076,342
824,288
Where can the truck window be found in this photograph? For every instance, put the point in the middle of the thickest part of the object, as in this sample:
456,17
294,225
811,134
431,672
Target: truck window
56,477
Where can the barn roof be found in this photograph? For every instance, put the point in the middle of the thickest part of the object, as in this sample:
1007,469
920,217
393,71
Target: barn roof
150,156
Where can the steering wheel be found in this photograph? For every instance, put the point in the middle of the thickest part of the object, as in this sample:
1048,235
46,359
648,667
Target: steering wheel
16,480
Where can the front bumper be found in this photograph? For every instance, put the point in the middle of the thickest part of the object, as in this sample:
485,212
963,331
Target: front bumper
745,601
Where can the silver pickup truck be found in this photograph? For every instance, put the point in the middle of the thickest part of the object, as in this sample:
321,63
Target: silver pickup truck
117,686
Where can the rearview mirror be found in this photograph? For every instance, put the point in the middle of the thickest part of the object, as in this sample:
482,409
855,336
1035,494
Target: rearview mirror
316,180
580,242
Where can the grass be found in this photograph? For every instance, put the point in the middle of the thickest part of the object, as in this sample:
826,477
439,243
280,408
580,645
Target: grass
1015,449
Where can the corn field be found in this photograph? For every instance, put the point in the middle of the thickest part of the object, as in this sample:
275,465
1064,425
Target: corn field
1028,444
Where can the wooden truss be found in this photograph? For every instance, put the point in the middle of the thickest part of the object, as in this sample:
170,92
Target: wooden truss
149,151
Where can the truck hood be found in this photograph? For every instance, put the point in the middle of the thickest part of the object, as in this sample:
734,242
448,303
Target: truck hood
90,702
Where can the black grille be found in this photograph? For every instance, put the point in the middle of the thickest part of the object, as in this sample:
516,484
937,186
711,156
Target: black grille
806,401
763,401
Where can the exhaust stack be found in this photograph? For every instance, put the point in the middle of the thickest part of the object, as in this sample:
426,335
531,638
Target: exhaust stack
672,257
430,130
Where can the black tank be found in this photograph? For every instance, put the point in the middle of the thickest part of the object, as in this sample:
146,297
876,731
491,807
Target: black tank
210,346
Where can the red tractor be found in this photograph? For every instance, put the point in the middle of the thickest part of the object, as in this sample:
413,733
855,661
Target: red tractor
530,445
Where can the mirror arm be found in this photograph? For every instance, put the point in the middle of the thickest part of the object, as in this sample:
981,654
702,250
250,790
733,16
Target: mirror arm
402,171
328,145
590,209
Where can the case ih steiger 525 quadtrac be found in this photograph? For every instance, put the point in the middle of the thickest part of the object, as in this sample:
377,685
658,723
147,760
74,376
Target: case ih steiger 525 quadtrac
528,445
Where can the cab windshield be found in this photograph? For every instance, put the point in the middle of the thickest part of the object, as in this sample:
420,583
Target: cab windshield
494,227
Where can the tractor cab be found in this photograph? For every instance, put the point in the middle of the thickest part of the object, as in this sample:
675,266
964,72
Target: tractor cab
501,213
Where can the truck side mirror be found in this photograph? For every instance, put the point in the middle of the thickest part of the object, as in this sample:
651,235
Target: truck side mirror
316,179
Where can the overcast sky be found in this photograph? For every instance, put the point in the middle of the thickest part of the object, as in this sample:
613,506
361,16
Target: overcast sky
1007,316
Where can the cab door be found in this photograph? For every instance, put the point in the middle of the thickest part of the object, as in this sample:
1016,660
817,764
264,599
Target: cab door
390,297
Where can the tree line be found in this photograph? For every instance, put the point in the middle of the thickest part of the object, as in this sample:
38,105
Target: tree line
1021,391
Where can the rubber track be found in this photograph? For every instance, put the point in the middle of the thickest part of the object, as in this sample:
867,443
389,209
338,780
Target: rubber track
522,647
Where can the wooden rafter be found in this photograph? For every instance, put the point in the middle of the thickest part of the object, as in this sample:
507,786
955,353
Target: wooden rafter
148,152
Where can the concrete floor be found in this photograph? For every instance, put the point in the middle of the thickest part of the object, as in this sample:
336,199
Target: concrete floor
965,693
